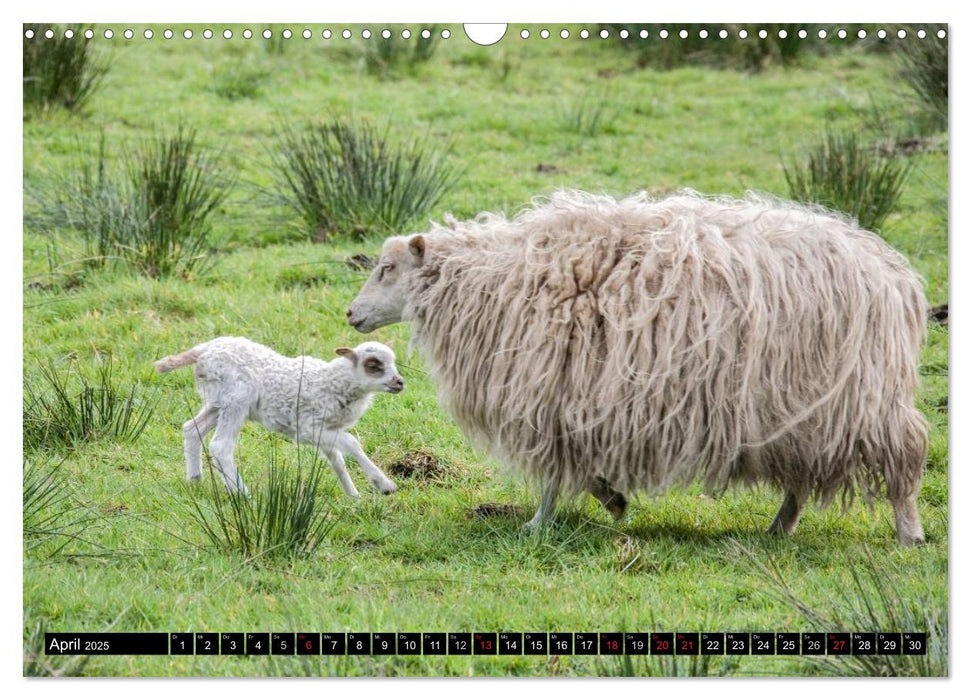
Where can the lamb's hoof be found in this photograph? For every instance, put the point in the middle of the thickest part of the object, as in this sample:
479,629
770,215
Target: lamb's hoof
911,541
388,488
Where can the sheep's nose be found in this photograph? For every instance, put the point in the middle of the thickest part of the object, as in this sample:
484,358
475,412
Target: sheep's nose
348,314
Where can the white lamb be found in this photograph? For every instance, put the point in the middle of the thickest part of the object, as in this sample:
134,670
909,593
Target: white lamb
309,400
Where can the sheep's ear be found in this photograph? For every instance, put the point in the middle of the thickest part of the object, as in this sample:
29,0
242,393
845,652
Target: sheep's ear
348,353
416,244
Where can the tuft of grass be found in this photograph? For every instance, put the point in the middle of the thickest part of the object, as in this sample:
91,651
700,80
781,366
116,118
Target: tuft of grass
66,408
781,46
152,214
874,603
589,114
844,174
666,666
287,516
238,81
924,69
60,71
384,57
348,179
38,664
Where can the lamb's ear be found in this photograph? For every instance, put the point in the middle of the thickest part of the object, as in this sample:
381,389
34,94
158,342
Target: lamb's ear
348,353
416,244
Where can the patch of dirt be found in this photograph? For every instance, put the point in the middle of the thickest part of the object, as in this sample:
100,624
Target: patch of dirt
116,508
938,314
500,510
547,168
423,466
359,261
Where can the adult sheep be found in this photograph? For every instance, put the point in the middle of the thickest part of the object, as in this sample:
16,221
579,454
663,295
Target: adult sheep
608,346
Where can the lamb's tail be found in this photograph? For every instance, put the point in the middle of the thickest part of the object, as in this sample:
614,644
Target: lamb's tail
189,357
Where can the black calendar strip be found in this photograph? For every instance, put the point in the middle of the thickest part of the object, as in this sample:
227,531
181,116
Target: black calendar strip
486,643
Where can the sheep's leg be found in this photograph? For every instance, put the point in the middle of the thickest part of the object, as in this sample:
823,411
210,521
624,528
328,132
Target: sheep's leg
788,517
223,445
614,502
193,431
336,460
348,444
546,503
909,529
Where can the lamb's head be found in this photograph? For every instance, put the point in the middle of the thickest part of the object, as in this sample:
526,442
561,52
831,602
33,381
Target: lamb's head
381,300
373,367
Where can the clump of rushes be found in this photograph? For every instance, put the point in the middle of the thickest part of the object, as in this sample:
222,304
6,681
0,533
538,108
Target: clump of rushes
285,517
152,213
924,68
385,55
64,407
844,174
60,71
347,179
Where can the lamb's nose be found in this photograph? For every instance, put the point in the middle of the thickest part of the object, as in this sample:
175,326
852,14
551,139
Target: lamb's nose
348,314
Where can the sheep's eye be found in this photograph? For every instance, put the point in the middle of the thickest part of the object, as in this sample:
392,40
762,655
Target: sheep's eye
387,267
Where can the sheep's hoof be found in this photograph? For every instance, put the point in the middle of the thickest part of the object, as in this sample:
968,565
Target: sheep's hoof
388,488
197,477
617,506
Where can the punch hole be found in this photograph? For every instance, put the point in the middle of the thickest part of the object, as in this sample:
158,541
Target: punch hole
68,33
326,34
367,33
346,33
663,33
881,34
187,34
228,34
643,34
287,34
405,33
29,34
941,34
901,34
861,34
247,34
386,34
426,34
129,33
545,34
841,33
89,34
604,34
267,34
624,33
148,33
108,34
802,34
723,34
207,33
742,34
565,34
168,34
703,33
821,33
921,34
446,34
683,33
584,34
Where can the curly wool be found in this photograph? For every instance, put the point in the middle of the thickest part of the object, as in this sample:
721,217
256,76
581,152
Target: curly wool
654,342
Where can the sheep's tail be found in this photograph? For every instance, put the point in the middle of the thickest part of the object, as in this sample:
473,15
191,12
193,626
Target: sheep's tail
189,357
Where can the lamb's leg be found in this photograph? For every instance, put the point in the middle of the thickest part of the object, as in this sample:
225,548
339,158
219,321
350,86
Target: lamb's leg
336,460
193,431
788,517
348,444
546,503
909,529
223,445
614,502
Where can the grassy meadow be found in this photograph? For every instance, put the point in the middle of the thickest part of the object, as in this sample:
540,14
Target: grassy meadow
121,546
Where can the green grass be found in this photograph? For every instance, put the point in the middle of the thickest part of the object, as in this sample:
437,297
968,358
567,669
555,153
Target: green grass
420,559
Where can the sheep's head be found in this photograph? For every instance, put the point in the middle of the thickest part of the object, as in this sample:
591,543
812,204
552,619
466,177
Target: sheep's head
374,368
381,300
